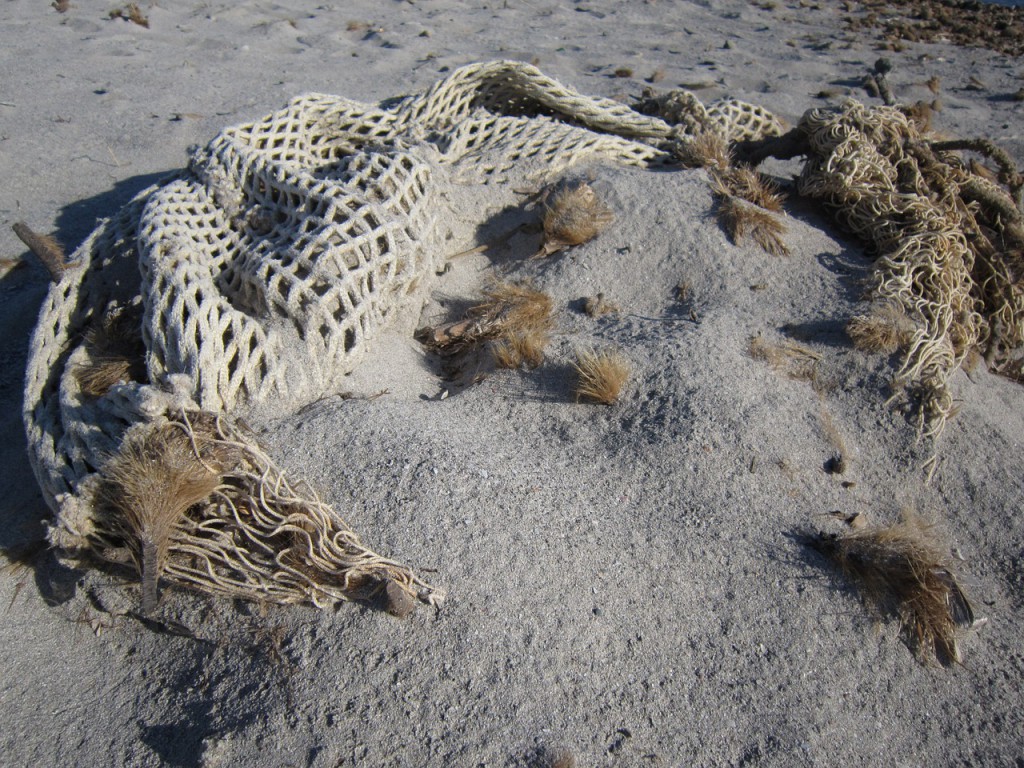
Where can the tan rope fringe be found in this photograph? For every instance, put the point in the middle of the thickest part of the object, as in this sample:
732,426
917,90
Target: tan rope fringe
950,241
258,275
256,535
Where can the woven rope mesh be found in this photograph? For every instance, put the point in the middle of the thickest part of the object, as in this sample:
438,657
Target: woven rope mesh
259,274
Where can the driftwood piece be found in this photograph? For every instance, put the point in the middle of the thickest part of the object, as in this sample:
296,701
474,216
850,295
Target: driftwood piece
45,248
785,147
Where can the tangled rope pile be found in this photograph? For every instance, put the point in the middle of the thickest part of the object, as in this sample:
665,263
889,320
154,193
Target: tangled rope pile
259,274
950,241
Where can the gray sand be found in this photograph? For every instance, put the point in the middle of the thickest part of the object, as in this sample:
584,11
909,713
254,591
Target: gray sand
621,581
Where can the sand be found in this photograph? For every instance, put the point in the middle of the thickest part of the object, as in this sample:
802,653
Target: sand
622,582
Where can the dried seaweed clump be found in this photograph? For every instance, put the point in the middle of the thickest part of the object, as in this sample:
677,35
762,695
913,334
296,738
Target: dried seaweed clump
601,376
950,240
150,484
885,328
707,149
197,502
573,215
747,200
132,13
116,352
749,185
902,573
747,204
513,322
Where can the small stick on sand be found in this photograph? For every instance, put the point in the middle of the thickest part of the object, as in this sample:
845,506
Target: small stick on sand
479,249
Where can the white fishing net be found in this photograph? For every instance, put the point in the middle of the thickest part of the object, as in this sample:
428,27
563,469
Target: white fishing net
260,274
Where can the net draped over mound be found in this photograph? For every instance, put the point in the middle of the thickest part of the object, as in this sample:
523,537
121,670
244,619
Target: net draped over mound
260,273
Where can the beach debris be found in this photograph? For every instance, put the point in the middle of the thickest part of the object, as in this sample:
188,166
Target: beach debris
116,353
839,462
884,328
598,305
945,225
513,321
902,573
510,328
794,360
600,375
742,219
747,199
989,25
708,149
193,499
525,347
398,602
877,85
45,247
573,215
131,12
960,247
751,186
149,485
676,107
235,319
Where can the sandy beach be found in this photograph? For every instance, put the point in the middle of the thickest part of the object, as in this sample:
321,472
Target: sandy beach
623,585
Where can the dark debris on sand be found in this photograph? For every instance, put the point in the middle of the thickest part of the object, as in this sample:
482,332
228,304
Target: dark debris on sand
963,22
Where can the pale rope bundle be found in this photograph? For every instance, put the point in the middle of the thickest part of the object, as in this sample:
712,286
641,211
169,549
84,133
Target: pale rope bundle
936,226
267,266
